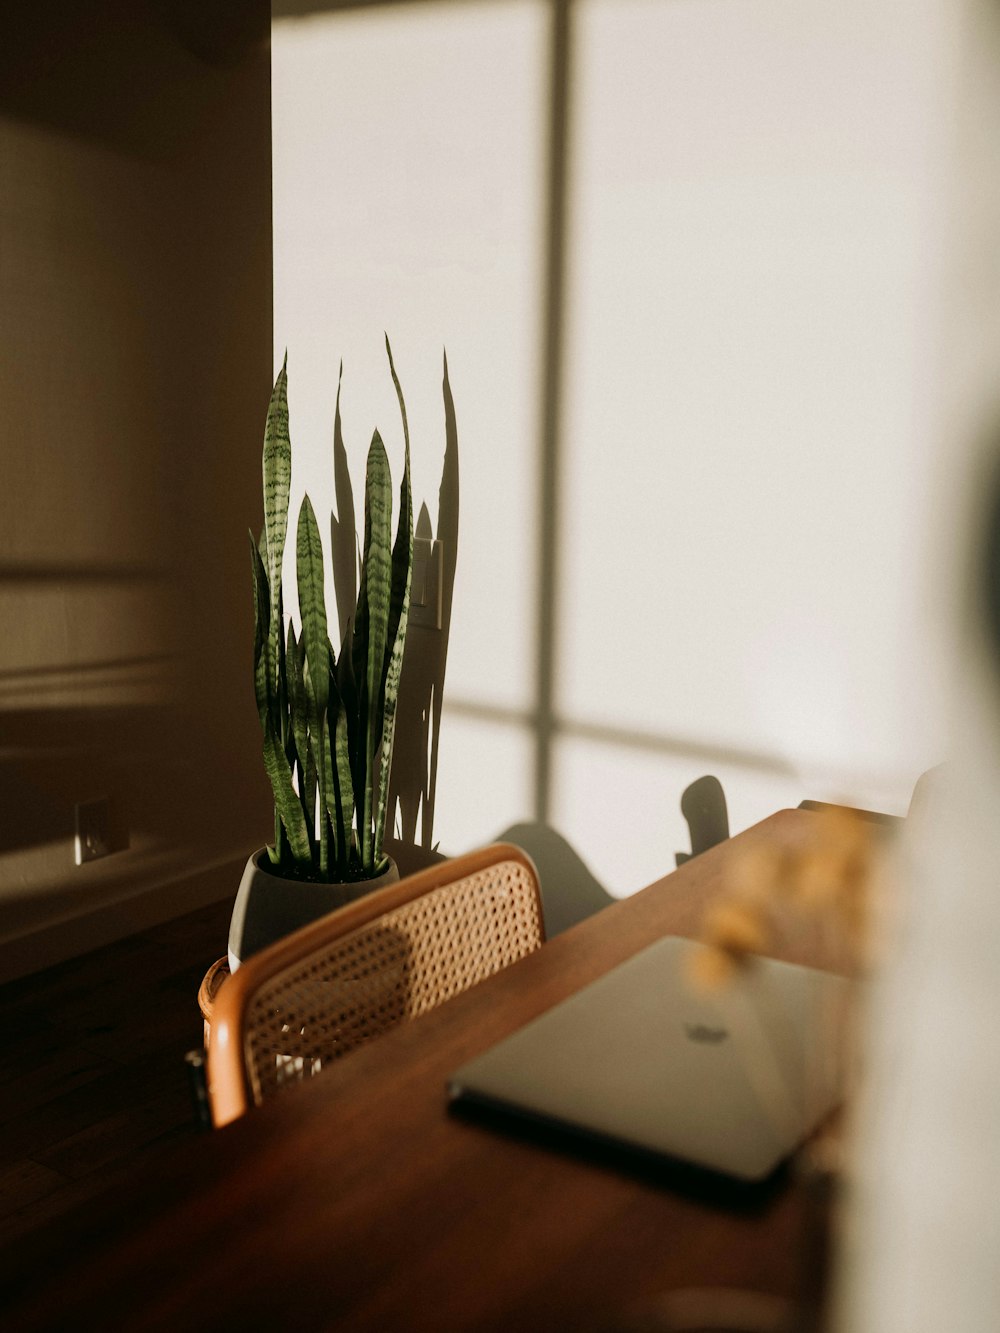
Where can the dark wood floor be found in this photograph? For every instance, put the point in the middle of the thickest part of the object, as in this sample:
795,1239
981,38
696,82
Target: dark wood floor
92,1073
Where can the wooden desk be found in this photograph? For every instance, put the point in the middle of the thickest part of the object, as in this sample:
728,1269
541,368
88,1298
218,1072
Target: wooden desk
357,1201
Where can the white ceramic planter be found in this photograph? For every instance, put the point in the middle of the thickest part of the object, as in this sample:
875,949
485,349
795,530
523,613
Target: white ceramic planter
269,906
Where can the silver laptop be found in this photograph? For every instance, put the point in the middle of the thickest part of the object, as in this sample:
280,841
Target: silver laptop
731,1079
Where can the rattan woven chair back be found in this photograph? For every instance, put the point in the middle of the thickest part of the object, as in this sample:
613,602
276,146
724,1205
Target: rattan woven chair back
319,994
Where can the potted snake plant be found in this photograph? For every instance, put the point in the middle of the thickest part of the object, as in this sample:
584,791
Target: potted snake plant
327,715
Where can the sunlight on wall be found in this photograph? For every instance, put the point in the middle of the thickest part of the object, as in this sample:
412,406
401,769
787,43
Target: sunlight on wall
485,782
622,805
750,389
750,393
406,199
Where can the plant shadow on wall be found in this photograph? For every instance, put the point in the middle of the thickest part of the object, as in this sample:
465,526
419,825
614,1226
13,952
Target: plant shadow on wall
329,716
413,781
416,746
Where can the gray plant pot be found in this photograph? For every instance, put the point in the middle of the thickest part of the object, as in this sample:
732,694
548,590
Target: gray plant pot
268,907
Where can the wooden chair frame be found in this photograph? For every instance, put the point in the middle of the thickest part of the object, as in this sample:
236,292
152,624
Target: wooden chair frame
229,1083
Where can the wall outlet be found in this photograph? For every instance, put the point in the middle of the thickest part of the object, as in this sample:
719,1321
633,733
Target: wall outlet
94,837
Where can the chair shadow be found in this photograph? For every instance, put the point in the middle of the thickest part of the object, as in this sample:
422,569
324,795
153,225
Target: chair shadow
570,890
703,805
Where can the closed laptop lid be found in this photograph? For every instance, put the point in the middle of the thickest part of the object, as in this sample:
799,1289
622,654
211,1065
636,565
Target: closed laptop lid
730,1079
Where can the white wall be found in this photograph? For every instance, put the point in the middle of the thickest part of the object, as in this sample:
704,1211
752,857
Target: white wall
751,408
751,382
407,200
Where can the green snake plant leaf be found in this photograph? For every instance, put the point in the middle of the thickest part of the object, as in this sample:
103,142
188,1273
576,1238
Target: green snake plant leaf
350,700
399,605
346,680
295,689
316,672
402,551
309,803
286,801
343,527
279,701
324,765
345,792
359,632
332,809
356,694
378,588
261,614
263,592
298,708
342,804
312,608
280,710
277,472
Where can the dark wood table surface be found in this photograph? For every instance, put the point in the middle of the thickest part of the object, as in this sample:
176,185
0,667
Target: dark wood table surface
359,1201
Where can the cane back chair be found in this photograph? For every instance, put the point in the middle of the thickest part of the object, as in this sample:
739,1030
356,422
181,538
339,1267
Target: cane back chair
349,977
